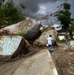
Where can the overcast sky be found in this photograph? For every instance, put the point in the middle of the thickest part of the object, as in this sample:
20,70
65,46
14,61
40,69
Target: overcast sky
42,7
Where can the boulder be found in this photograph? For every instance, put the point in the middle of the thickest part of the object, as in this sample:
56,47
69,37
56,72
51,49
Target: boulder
32,32
71,45
42,39
12,46
30,27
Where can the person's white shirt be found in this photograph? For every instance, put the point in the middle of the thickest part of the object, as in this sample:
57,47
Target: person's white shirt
49,40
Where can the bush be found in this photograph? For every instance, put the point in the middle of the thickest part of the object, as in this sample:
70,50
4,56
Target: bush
10,14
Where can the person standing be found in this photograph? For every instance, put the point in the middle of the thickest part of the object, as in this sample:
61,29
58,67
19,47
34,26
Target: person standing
49,43
67,39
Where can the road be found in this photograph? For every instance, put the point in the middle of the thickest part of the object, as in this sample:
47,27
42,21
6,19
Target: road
37,63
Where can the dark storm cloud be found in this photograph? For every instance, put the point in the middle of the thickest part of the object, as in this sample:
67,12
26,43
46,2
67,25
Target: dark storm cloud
32,5
42,7
72,8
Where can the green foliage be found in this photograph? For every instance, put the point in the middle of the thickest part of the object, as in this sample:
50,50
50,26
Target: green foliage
23,6
71,26
64,15
10,14
66,6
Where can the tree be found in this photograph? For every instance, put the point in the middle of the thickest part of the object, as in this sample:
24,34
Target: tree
71,28
10,14
64,15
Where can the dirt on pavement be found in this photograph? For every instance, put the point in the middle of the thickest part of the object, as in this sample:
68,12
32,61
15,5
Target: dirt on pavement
64,58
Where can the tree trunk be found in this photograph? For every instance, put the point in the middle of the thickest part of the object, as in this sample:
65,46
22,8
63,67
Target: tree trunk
71,36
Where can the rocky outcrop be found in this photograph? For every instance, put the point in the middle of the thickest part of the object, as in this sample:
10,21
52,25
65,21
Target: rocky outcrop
12,46
29,28
42,39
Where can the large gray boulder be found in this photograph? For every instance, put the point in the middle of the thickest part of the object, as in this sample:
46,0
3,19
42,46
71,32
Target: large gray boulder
30,27
42,39
12,46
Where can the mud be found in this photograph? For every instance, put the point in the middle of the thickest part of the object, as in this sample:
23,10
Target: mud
64,59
